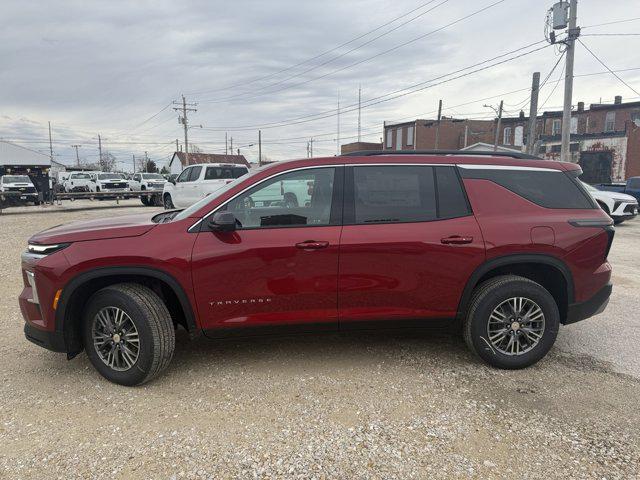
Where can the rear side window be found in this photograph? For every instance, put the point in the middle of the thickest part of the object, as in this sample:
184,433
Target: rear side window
221,173
452,201
549,189
385,194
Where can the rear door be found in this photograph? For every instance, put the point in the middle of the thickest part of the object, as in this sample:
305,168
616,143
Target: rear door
409,243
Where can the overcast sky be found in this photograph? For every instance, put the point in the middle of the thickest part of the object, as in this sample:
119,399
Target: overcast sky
114,67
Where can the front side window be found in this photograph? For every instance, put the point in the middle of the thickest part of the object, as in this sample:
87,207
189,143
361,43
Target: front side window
195,174
296,198
389,194
184,176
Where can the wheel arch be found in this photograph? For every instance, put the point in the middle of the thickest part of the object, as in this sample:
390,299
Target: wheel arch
77,292
551,272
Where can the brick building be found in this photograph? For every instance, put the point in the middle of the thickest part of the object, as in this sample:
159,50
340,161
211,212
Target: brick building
605,138
359,147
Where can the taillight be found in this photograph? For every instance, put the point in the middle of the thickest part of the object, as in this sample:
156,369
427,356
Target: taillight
605,224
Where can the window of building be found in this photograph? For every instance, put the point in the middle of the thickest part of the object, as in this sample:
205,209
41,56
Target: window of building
610,122
574,125
409,135
586,125
292,199
548,189
556,127
399,139
506,136
389,138
635,118
518,137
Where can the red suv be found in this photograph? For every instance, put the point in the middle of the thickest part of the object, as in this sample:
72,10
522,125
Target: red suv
509,245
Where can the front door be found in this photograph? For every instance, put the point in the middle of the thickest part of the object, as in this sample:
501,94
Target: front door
179,194
280,266
409,243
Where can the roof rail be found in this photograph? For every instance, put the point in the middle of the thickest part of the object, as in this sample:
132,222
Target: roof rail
462,153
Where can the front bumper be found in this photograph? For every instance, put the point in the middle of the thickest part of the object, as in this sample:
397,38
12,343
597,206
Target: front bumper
595,305
53,341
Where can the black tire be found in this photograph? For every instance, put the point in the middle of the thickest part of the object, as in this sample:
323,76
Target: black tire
145,200
154,326
167,202
486,297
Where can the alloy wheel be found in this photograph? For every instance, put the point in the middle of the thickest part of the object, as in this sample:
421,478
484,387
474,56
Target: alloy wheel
115,338
516,326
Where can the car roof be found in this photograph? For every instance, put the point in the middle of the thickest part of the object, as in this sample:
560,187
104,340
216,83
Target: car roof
215,165
433,158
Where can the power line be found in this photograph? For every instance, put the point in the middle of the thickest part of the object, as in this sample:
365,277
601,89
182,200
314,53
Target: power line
610,71
612,23
610,35
304,62
326,62
369,58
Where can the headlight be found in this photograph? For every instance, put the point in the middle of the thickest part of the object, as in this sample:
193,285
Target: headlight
45,249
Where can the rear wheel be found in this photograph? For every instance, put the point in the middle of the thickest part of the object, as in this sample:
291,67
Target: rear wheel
128,333
512,322
145,200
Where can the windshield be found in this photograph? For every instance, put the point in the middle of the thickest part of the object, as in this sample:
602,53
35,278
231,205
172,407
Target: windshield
109,176
152,176
16,179
80,175
186,213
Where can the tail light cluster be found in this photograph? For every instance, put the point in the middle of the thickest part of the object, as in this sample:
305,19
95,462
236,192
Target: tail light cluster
605,224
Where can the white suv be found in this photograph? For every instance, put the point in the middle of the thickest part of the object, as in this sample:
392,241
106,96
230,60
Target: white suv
619,206
198,181
108,182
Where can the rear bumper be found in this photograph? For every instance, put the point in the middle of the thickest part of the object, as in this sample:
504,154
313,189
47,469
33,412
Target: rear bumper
53,341
589,308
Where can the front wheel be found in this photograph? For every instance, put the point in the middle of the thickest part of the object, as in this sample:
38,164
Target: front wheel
512,322
167,202
128,333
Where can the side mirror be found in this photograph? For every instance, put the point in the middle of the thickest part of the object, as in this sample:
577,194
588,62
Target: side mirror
223,222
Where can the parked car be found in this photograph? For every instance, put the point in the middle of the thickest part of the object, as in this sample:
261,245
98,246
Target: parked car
509,246
21,184
108,182
77,182
148,182
198,181
631,187
618,206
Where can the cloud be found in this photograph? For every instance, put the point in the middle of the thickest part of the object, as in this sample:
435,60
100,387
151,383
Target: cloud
105,67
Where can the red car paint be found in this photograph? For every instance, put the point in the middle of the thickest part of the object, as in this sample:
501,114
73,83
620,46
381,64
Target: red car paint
343,273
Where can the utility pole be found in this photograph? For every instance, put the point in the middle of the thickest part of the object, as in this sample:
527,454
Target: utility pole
177,145
495,140
533,113
134,163
231,147
259,148
307,149
186,107
438,124
238,152
77,156
338,137
146,162
466,134
100,160
50,143
226,144
311,147
359,112
568,80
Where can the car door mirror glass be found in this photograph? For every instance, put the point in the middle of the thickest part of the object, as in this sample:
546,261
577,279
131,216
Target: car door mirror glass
223,222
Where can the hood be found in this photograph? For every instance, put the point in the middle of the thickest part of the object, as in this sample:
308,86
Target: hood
18,184
118,227
622,197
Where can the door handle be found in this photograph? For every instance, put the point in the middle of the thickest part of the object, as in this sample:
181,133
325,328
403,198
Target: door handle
456,240
312,245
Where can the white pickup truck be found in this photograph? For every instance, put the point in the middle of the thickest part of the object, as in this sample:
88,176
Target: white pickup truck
20,187
198,181
108,182
78,182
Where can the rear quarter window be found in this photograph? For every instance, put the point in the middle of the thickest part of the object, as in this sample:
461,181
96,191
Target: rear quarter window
549,189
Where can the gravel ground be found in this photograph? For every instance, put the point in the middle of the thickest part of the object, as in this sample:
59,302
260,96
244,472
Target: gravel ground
327,406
